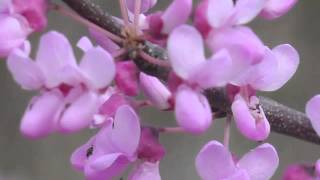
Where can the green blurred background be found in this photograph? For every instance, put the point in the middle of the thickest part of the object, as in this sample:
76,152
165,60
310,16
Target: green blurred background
48,159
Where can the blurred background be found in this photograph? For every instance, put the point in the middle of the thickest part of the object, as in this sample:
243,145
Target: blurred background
48,159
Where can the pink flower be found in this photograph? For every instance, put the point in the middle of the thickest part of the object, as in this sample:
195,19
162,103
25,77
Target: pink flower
215,162
197,74
127,78
299,172
19,18
109,152
69,93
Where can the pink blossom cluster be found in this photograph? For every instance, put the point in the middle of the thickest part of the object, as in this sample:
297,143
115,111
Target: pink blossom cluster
209,46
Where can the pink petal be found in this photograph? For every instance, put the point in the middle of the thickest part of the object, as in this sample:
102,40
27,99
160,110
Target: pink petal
262,75
254,128
232,39
192,110
13,32
261,162
79,113
276,8
175,15
247,10
126,78
126,124
155,91
219,12
55,53
313,112
288,61
215,72
110,106
35,11
39,120
103,41
106,167
85,44
145,5
200,18
80,156
183,40
214,162
146,171
24,71
98,67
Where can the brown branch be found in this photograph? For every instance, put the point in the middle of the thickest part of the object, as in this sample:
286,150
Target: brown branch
283,119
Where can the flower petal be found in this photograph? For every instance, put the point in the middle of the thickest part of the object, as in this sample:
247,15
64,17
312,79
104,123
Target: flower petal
313,112
261,162
126,124
103,41
84,44
288,62
13,33
80,156
254,128
146,171
214,72
219,12
126,78
24,71
39,120
98,67
80,113
276,8
247,10
175,16
155,91
214,162
192,110
145,5
183,40
55,53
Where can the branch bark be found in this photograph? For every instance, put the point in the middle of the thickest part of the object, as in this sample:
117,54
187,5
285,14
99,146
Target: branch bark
283,119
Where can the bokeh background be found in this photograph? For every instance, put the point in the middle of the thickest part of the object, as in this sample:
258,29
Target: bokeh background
48,159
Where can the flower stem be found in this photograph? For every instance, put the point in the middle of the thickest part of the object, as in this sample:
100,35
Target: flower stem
124,12
153,60
226,138
137,11
171,130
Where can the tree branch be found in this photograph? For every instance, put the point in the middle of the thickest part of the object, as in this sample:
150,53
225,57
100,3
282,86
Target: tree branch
283,119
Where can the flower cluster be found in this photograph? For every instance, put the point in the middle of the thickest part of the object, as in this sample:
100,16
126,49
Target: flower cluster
215,50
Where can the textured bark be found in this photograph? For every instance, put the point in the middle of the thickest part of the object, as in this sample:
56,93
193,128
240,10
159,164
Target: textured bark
283,119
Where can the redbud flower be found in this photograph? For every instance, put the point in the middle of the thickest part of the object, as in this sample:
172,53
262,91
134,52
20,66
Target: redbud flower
275,8
69,93
215,162
313,113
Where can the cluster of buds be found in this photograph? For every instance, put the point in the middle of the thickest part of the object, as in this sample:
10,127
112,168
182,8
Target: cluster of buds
101,91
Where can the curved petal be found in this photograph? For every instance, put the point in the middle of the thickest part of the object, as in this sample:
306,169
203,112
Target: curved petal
192,110
288,61
79,113
126,78
247,10
85,44
81,155
183,40
219,12
276,8
252,123
98,67
215,72
145,5
146,171
214,162
39,120
155,91
103,41
262,75
126,124
55,53
261,162
24,71
175,15
13,32
105,167
313,112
